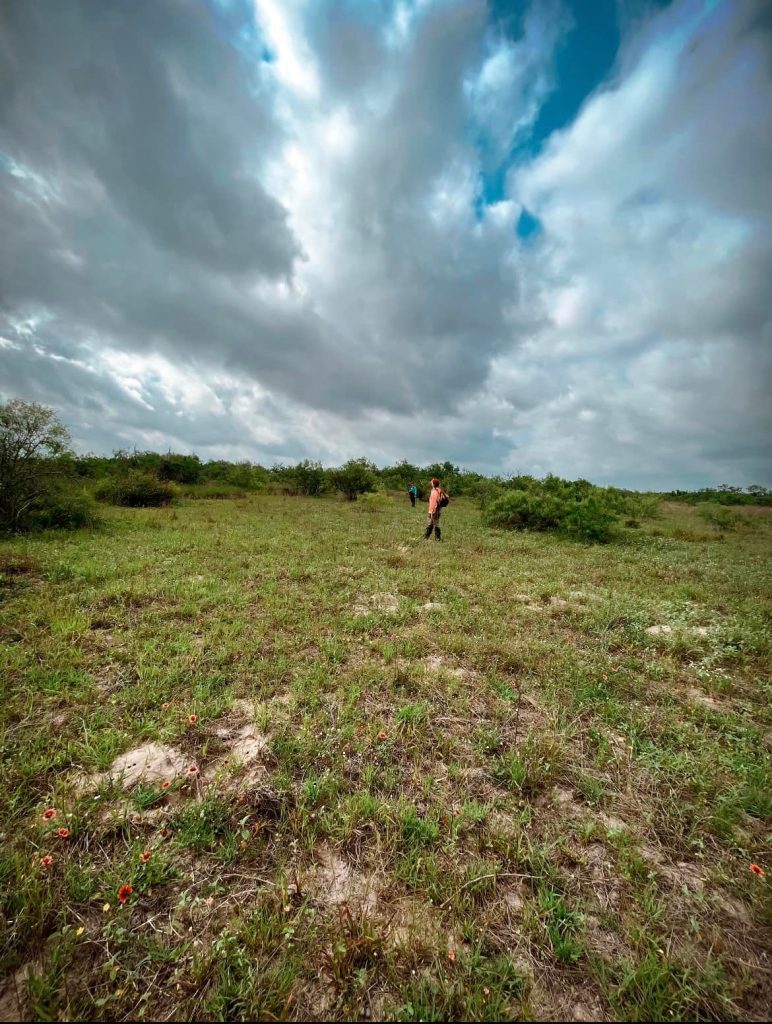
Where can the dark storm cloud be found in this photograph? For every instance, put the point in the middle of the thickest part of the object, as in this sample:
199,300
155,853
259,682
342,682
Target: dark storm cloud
135,211
165,117
262,229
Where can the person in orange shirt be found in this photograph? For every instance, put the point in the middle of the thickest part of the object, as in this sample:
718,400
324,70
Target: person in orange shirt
437,501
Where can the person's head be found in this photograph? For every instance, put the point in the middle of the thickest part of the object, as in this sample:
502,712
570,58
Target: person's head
435,482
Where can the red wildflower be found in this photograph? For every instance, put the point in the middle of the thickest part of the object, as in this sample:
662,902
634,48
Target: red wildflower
47,861
382,735
145,856
49,814
63,833
165,784
124,892
192,719
192,769
757,870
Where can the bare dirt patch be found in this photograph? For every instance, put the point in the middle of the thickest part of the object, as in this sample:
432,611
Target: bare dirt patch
150,763
13,993
385,602
245,744
565,800
700,697
659,630
413,921
333,882
684,874
436,663
571,1002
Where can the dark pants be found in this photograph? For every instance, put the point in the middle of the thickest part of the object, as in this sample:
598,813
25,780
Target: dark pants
412,500
434,524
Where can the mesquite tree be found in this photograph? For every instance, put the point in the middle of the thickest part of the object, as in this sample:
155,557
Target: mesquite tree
32,444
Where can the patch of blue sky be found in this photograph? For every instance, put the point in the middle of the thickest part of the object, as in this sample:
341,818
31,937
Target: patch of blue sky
584,59
234,21
528,226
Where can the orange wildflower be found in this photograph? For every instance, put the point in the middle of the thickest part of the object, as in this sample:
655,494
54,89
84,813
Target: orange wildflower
382,735
165,706
145,856
47,861
452,955
757,870
63,833
165,784
124,892
192,719
192,769
49,814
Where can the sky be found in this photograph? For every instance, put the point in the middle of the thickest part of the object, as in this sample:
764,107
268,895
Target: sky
522,235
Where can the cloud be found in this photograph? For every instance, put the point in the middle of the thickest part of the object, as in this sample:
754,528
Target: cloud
655,259
262,230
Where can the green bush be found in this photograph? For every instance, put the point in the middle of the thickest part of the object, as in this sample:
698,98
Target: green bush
182,469
65,511
589,518
355,478
35,462
485,492
310,478
720,516
136,490
524,510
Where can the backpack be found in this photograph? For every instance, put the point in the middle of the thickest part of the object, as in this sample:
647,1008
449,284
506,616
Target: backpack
444,500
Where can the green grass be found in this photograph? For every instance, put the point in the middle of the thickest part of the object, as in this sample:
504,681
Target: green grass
507,805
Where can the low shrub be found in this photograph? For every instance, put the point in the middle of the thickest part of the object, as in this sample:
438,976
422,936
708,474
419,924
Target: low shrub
65,511
485,492
356,477
524,510
720,516
591,518
375,501
311,479
136,490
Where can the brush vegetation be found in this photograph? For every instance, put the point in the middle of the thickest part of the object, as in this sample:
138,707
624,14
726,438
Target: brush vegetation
277,757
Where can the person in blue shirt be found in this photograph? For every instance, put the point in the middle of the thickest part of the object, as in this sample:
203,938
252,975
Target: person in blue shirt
413,492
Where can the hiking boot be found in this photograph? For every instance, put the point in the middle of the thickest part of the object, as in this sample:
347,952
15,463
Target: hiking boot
437,534
428,531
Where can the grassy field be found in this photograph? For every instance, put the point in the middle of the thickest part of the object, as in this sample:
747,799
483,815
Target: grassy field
406,780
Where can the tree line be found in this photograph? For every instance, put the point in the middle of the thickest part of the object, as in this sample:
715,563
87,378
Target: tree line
44,484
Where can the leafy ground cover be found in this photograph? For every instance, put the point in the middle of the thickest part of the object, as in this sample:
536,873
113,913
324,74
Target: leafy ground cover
303,764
